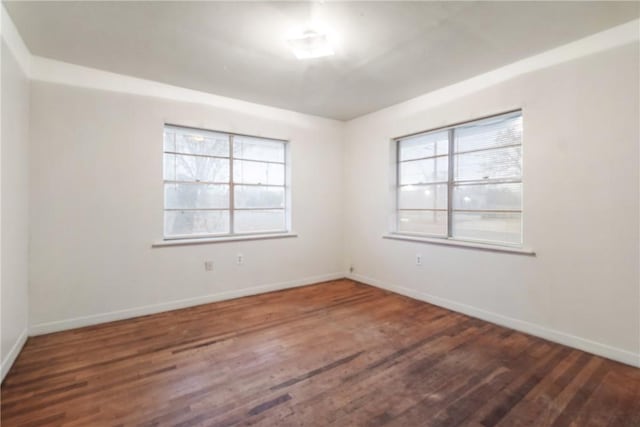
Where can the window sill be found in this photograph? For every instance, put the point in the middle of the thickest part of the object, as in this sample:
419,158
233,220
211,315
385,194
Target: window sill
221,239
460,243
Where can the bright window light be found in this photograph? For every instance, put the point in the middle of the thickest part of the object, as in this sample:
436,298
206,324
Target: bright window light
463,182
310,44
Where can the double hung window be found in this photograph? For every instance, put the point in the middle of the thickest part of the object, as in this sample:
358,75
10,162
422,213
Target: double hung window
218,184
463,182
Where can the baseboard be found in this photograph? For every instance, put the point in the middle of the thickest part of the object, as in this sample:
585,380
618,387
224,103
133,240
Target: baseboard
78,322
559,337
7,363
579,343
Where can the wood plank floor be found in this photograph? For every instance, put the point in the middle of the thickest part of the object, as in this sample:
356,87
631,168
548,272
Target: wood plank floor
333,354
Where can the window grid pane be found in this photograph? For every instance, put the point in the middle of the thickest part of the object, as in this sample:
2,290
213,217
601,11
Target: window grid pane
496,227
488,197
206,174
424,146
265,220
494,132
178,167
424,171
188,223
196,196
495,163
256,172
195,142
256,196
470,188
431,196
425,222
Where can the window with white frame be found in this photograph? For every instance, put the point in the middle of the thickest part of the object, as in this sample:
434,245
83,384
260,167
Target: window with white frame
218,184
463,182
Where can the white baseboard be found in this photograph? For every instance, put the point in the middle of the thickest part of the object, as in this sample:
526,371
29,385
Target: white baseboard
7,363
583,344
78,322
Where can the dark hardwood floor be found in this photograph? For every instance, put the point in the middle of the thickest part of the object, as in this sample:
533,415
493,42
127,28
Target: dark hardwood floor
338,353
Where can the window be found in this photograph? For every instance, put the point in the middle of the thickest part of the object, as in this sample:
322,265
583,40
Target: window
222,184
463,182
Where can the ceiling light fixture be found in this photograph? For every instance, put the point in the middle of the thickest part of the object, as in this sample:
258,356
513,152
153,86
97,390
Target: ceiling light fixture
310,44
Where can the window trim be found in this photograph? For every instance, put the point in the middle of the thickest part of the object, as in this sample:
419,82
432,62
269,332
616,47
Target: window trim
187,239
448,239
465,244
225,238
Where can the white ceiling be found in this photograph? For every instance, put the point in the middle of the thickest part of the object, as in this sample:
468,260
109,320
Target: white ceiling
388,51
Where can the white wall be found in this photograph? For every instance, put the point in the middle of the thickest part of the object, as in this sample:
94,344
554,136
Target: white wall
581,211
14,191
97,199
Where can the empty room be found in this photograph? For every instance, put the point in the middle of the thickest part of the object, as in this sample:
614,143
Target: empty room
320,213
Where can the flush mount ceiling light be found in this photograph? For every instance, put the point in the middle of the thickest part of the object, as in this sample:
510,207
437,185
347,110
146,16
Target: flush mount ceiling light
310,44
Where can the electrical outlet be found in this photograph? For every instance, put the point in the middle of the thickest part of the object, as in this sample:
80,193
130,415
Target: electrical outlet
419,260
208,266
240,259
